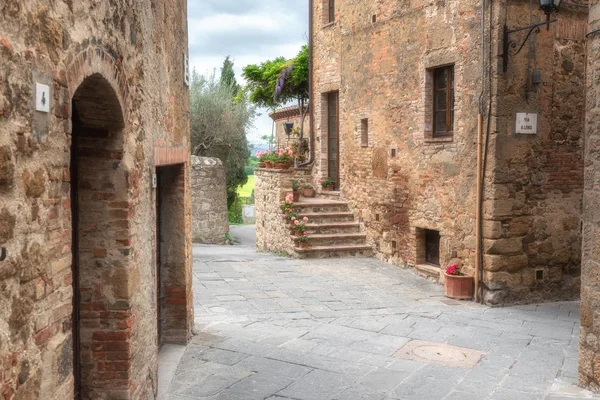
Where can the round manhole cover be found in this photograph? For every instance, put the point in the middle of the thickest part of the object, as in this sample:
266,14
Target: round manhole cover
437,353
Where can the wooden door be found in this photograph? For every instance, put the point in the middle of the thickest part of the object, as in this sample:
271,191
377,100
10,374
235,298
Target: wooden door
333,138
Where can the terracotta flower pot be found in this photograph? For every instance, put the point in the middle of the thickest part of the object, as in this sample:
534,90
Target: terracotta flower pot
303,245
268,164
281,165
458,286
296,194
297,233
328,188
262,165
309,193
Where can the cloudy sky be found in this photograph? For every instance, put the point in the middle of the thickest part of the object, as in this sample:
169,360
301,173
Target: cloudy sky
249,31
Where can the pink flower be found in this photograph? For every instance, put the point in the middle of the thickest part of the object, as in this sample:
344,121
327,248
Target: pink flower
296,222
268,152
291,153
293,218
287,149
305,234
289,197
305,219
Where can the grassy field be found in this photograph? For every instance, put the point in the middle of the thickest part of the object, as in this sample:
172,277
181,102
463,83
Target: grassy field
246,190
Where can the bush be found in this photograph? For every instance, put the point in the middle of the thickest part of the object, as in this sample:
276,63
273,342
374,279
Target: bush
234,213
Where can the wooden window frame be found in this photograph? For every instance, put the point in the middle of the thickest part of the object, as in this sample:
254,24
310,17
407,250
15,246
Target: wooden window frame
364,132
330,11
449,102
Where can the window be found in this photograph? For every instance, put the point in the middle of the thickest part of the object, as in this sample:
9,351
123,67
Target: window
364,132
331,10
443,101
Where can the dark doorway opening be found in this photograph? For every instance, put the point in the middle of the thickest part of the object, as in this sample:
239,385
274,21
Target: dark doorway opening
432,247
96,151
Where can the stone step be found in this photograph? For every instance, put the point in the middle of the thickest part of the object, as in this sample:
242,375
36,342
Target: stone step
329,195
336,216
337,239
321,206
428,271
332,227
335,251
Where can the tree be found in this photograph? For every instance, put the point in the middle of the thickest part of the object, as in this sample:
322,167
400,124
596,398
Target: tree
274,83
218,125
228,76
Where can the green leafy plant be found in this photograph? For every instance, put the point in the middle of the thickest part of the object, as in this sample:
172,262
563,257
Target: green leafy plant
288,204
295,186
291,215
326,182
309,187
303,238
228,239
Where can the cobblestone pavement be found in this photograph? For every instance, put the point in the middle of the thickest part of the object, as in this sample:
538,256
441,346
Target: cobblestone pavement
278,328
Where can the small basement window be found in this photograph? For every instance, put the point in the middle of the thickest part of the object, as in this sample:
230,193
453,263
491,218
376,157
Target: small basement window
432,247
364,132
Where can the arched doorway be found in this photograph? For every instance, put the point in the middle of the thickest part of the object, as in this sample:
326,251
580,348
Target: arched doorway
100,222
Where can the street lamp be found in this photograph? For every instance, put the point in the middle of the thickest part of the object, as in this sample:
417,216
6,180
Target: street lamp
548,7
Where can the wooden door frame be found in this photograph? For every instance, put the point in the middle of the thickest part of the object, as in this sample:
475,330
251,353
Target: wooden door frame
337,112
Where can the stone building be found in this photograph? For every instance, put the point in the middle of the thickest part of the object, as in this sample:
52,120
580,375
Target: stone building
94,172
209,201
285,115
395,97
589,352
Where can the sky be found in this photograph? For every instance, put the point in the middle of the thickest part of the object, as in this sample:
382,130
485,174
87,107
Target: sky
250,32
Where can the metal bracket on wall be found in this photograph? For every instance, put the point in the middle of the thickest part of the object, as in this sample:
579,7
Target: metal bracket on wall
3,254
512,44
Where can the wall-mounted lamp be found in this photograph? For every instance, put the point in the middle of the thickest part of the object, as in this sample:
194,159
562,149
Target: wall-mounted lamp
548,7
288,126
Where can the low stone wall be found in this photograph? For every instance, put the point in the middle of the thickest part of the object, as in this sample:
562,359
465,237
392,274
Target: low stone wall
209,201
271,187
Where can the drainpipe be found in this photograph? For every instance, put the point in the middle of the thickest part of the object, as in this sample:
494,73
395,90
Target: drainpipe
311,137
478,222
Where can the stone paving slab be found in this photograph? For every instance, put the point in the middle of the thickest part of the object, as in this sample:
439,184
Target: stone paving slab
278,328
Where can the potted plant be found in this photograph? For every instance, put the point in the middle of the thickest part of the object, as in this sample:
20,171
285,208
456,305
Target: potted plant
303,241
283,158
326,184
299,226
263,157
309,191
296,190
270,160
291,217
456,284
288,205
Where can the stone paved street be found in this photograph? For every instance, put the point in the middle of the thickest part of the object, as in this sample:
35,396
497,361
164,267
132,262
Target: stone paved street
270,327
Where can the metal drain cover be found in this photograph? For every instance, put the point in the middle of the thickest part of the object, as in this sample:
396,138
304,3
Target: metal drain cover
439,353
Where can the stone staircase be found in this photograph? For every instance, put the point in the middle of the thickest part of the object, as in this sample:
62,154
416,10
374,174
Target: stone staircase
332,229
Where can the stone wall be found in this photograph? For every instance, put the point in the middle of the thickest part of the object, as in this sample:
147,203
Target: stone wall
401,181
271,187
287,114
116,91
589,352
209,201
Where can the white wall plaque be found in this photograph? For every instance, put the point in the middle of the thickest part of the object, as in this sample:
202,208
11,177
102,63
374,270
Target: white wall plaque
42,98
526,123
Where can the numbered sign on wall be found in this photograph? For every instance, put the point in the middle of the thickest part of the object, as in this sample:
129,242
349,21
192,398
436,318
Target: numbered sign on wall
526,124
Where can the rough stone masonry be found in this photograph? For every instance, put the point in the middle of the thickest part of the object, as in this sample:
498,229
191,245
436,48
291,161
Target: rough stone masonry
414,190
589,350
209,201
93,103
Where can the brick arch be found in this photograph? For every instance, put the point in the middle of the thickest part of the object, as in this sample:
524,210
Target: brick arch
89,59
102,233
